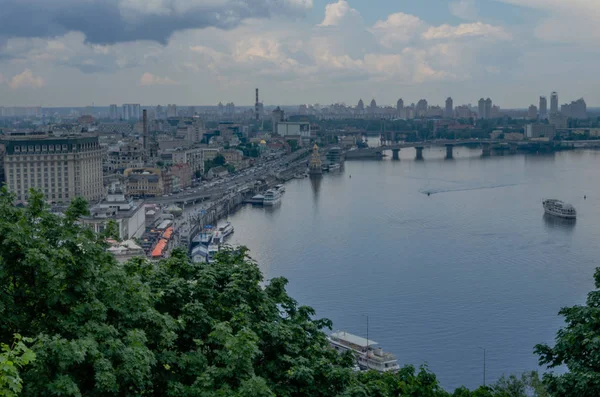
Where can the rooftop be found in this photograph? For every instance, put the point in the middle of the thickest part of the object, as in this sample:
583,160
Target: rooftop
354,339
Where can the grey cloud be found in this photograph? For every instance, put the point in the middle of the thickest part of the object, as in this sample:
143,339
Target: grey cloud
103,22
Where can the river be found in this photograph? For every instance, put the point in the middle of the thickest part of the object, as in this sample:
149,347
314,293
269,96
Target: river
474,264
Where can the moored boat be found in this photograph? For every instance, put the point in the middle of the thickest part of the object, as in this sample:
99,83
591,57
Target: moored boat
559,209
369,356
272,197
226,230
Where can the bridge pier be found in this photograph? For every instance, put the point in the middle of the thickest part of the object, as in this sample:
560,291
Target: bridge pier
395,154
486,149
419,150
449,155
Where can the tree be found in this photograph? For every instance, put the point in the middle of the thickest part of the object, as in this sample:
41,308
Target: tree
578,347
13,358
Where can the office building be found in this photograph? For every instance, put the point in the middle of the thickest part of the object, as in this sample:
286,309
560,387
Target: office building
289,128
62,168
488,108
554,102
449,111
543,107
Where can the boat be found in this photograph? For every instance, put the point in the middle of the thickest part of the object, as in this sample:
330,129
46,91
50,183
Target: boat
226,230
272,197
217,238
369,356
281,188
559,209
334,167
213,250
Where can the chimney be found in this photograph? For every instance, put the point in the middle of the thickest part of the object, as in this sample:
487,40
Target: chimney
256,105
145,121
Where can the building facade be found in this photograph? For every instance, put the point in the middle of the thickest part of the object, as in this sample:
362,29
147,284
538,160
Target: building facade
62,168
540,130
144,182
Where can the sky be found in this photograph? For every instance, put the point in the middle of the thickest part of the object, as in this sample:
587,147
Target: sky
201,52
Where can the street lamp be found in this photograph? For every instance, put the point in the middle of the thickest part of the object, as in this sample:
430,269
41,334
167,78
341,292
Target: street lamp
484,351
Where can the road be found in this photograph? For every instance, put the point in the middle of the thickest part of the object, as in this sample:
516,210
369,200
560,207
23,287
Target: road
240,180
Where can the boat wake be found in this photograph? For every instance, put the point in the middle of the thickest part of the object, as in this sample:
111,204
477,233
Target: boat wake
464,188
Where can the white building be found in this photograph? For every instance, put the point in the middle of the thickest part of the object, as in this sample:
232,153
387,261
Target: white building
540,130
301,128
129,215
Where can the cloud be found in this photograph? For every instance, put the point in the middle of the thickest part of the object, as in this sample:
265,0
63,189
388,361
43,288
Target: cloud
115,21
340,13
150,79
464,9
476,29
26,79
398,28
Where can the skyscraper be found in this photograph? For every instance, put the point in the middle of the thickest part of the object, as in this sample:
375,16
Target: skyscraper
543,107
449,112
481,109
488,109
171,110
554,102
421,109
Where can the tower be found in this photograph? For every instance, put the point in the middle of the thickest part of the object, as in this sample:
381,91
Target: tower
543,107
256,106
314,167
449,112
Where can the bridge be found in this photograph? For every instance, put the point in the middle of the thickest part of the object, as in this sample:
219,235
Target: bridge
377,152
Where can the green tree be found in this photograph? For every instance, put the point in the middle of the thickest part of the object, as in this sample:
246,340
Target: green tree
12,359
578,347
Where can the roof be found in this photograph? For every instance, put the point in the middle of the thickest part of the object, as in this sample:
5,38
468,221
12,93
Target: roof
159,249
168,233
355,340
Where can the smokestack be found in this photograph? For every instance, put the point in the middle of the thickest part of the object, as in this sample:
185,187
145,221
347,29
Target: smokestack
145,118
256,105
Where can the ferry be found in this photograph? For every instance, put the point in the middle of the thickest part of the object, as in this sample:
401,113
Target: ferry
334,167
369,356
272,197
559,209
226,230
217,238
281,188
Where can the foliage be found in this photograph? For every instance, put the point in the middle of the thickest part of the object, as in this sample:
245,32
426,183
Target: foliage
219,160
578,347
12,359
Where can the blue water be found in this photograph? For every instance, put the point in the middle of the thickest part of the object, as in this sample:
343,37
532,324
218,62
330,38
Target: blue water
474,264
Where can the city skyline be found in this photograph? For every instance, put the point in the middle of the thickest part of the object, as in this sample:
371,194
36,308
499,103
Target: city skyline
297,51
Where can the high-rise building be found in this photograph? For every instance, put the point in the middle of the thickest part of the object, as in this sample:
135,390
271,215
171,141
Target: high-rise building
60,167
481,109
532,112
554,102
543,107
421,109
113,112
449,111
400,107
361,106
171,110
131,111
488,108
277,117
575,110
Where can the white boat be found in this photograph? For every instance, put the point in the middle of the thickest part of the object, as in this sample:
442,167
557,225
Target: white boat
334,167
272,197
368,355
281,188
217,238
559,208
226,230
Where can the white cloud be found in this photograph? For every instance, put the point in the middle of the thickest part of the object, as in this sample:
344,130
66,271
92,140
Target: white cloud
476,29
340,13
150,79
464,9
26,79
398,28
